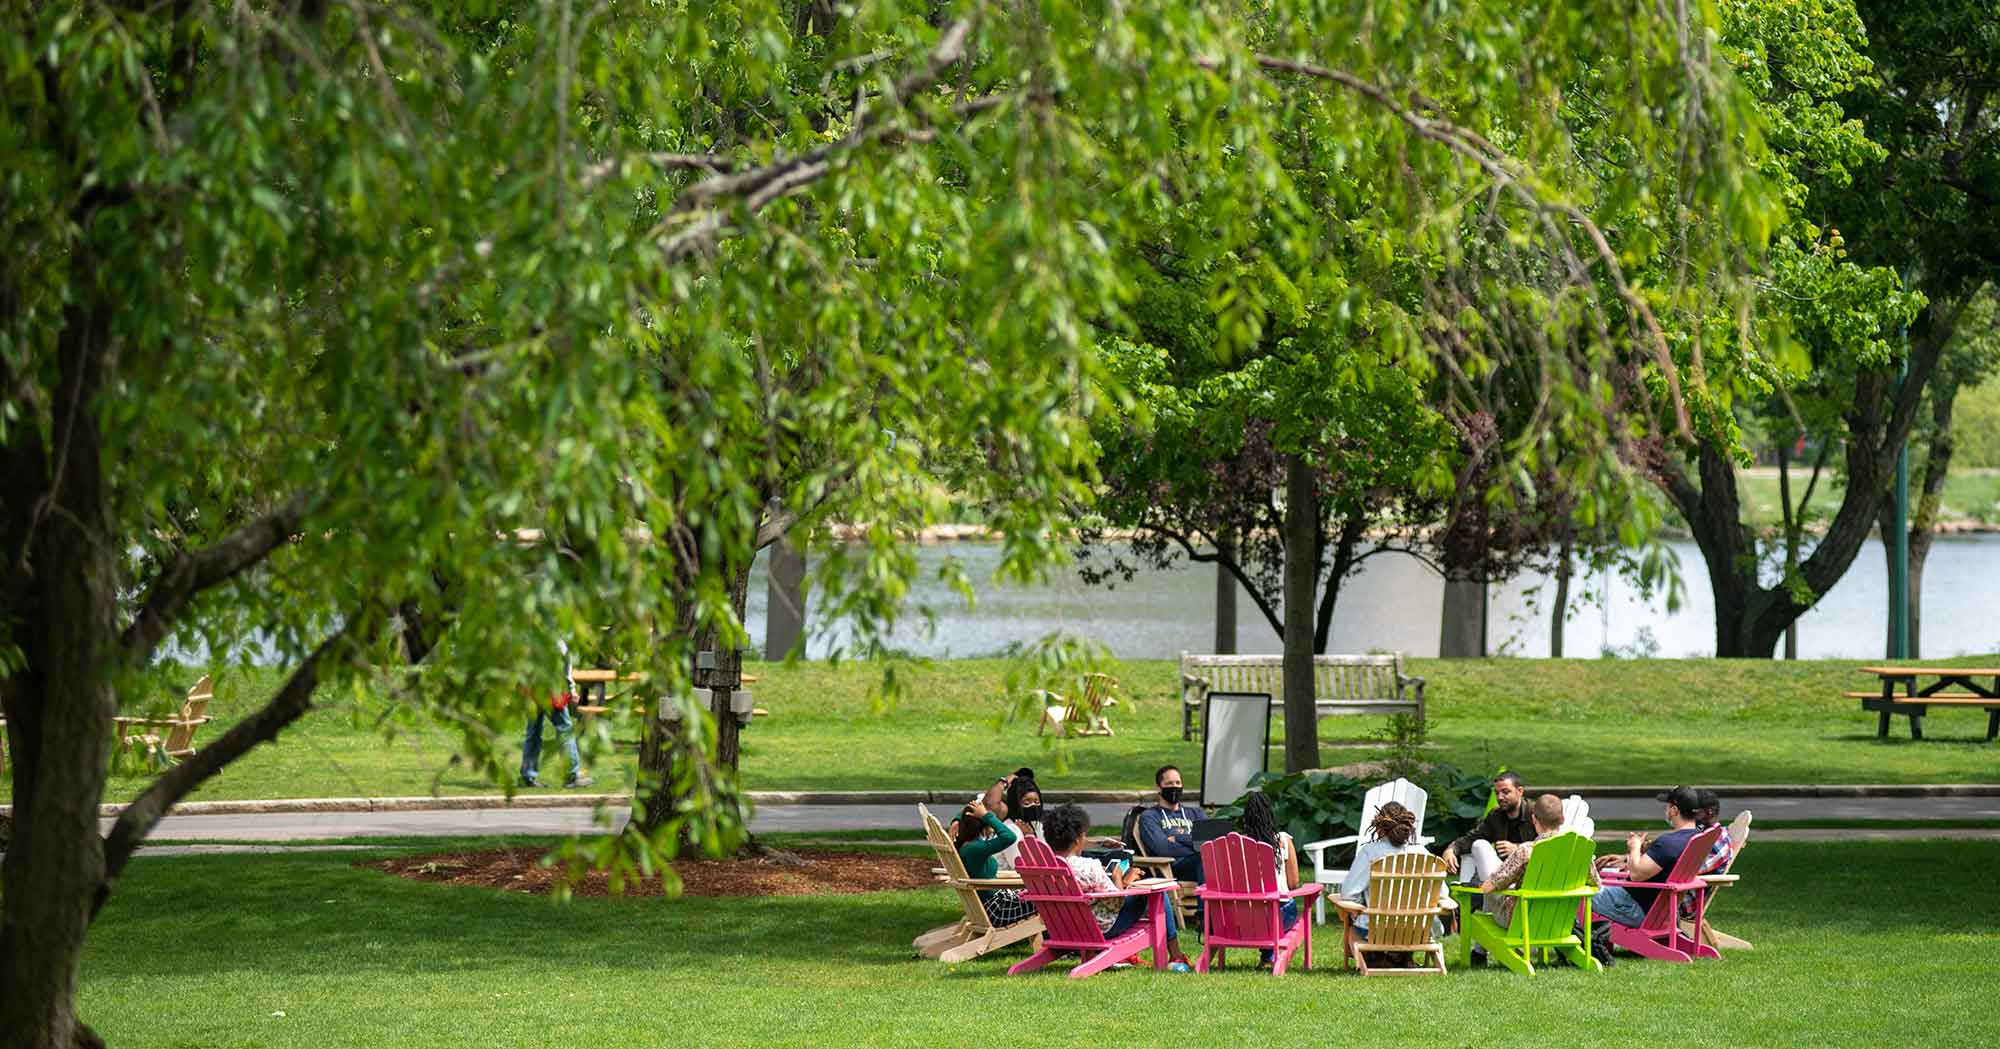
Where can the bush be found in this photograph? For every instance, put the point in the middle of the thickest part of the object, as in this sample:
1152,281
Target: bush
1315,805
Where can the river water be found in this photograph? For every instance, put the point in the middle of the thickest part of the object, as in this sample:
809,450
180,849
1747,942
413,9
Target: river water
1394,604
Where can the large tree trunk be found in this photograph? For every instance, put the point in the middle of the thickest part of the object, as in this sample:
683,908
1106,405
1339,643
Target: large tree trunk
1560,617
1462,630
1302,559
664,760
59,704
1750,618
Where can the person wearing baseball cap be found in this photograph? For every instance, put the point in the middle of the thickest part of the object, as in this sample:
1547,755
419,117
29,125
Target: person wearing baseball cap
1627,905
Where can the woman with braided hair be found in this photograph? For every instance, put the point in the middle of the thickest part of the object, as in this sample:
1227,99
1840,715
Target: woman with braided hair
1393,831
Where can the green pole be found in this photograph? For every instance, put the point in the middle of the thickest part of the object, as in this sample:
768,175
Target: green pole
1899,542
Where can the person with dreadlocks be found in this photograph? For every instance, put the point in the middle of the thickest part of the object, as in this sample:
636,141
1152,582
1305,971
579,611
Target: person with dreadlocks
1393,831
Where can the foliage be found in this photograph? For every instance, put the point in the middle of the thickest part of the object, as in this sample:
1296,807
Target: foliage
1314,805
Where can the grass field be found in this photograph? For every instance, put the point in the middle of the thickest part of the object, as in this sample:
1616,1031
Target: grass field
1564,721
1969,495
209,951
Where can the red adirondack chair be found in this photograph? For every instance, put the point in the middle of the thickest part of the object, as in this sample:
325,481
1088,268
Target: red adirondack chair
1242,901
1069,924
1659,936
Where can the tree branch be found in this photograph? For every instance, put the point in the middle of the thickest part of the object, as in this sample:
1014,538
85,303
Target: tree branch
290,703
195,571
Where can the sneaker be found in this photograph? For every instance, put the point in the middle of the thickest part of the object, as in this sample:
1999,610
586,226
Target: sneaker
579,781
526,782
1179,967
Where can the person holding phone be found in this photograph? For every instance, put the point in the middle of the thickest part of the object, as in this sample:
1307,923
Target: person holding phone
980,837
1067,830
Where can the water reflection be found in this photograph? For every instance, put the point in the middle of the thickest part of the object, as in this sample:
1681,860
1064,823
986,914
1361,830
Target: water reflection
1393,604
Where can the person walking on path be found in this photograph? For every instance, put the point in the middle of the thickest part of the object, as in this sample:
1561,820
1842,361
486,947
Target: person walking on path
559,716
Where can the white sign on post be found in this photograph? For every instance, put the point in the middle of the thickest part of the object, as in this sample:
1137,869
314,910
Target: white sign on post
1236,741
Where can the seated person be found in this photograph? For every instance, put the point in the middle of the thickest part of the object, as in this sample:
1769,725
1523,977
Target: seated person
1166,829
1547,814
1022,799
1723,850
1067,828
1479,853
980,836
1627,906
1390,833
1260,822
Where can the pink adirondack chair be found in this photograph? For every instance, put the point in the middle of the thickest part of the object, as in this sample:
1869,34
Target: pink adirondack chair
1659,936
1069,924
1242,901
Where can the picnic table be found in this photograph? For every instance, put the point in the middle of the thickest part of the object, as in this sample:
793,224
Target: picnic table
1925,687
602,680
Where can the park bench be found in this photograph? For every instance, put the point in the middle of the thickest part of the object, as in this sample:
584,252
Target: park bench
1915,702
1341,684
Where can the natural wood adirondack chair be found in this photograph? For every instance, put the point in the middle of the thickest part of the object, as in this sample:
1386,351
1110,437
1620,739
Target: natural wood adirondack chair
1243,903
1406,900
1182,897
1554,891
1739,835
1576,816
1071,925
974,933
1402,791
1084,715
168,740
1659,935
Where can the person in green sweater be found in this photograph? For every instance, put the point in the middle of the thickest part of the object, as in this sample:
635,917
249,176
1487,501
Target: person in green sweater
981,837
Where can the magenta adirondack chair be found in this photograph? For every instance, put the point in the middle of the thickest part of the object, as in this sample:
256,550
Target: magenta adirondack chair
1069,924
1659,936
1242,900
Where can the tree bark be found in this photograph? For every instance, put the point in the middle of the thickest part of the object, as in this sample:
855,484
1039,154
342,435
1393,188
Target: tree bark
1302,560
1225,597
667,768
1560,617
1462,633
59,704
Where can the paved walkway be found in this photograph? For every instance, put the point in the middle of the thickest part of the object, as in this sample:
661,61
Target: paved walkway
300,826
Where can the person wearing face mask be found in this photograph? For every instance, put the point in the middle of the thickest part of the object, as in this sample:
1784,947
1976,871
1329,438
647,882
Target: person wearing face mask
1023,801
1166,829
1478,855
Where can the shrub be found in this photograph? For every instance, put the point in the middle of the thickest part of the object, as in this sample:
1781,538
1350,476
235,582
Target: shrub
1315,805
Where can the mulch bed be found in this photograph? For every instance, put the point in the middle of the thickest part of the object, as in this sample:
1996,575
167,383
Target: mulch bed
805,872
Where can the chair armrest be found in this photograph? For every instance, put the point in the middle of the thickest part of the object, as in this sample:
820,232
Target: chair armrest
1673,886
993,883
1303,891
1722,879
1348,905
1448,903
1116,894
1547,894
1318,848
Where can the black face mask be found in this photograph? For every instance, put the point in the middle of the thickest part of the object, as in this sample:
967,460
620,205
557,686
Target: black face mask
1030,813
1170,795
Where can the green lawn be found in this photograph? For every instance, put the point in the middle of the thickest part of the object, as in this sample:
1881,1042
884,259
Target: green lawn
206,951
1564,721
1972,495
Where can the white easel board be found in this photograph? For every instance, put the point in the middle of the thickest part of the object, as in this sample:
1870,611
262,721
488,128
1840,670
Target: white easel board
1236,741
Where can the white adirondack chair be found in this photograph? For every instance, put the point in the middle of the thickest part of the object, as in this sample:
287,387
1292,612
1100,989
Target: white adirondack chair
1401,791
1576,817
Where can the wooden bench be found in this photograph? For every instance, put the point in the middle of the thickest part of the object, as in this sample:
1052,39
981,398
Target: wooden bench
1915,702
1341,684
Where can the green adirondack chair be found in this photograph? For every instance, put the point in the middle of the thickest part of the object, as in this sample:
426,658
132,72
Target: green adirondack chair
1545,911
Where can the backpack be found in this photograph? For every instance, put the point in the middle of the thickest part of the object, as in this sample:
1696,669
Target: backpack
1129,830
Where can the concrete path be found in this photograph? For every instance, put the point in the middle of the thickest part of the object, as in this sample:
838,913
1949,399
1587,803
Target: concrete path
298,826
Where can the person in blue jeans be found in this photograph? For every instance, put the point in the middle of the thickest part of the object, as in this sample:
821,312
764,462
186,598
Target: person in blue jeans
1627,906
559,716
1065,829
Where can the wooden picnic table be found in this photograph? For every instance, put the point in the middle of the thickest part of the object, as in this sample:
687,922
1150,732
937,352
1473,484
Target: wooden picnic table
1918,695
602,680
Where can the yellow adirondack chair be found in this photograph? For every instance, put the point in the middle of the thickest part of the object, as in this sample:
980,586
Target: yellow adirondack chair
1406,898
973,934
1084,715
1739,836
161,742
